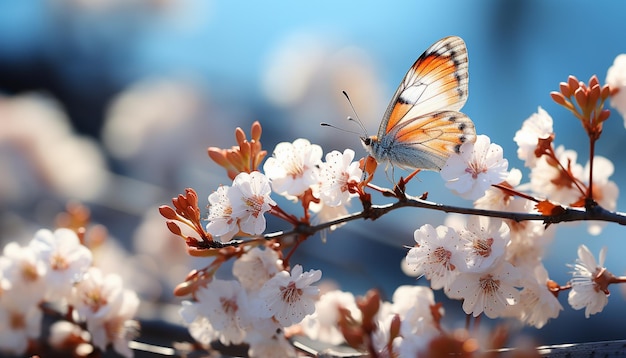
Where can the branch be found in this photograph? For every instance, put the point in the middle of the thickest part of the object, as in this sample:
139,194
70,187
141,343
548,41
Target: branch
375,211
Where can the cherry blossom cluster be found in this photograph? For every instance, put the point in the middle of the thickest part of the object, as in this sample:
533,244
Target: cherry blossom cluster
295,170
53,275
495,266
491,260
267,295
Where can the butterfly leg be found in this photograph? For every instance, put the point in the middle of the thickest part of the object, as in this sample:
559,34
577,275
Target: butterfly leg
392,177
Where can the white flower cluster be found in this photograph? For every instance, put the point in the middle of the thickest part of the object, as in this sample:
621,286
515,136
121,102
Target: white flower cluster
413,305
481,265
264,299
547,178
55,268
256,307
240,207
293,169
495,266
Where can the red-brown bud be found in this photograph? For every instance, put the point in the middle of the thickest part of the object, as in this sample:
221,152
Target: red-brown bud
394,327
606,92
604,115
174,228
558,97
167,212
564,88
218,156
581,97
256,131
594,94
240,135
573,83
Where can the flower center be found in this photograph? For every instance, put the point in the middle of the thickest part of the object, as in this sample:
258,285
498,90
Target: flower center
442,256
17,321
95,300
290,293
29,272
295,168
255,204
58,262
229,305
475,168
488,284
482,247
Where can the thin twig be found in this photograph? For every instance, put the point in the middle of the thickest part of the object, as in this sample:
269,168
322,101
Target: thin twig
596,213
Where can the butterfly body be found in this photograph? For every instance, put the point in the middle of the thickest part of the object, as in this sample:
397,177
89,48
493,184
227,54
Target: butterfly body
422,126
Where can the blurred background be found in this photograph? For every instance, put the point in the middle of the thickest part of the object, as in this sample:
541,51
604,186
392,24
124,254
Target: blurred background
113,103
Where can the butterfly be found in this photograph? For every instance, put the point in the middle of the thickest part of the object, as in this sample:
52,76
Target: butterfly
422,127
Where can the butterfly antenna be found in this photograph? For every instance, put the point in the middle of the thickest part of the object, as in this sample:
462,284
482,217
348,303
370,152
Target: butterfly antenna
356,118
324,124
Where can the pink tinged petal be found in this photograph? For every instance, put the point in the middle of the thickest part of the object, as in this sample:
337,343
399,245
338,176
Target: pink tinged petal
586,257
602,256
313,276
188,311
473,300
462,184
454,167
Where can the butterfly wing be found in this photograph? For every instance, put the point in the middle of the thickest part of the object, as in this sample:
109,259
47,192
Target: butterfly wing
437,81
427,141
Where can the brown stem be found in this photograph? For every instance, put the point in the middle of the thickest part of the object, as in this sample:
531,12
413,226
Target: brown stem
280,213
592,150
619,279
567,172
568,214
299,239
514,192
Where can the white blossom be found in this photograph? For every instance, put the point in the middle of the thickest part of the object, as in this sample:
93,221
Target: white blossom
432,254
414,306
66,259
537,303
65,333
267,339
528,239
293,167
102,302
289,297
489,292
585,293
23,271
477,166
255,267
335,174
221,220
616,78
18,324
322,324
250,199
224,304
483,244
199,325
547,179
538,126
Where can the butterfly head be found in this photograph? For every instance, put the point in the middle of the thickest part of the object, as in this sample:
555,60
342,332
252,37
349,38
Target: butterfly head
368,143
